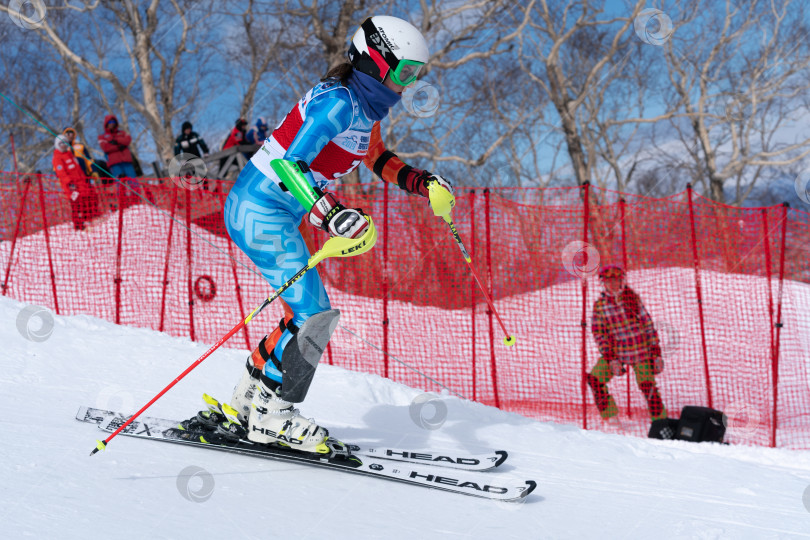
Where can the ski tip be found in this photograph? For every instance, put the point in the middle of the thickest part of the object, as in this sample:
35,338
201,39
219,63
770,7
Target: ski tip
531,484
100,445
502,455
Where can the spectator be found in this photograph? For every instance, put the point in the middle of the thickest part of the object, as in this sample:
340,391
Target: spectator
237,135
115,144
258,133
81,194
190,142
82,153
624,332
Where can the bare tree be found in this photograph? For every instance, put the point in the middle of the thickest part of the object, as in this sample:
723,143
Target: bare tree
159,54
579,55
467,41
556,57
741,91
34,91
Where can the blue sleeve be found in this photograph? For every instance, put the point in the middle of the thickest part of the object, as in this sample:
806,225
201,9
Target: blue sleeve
327,115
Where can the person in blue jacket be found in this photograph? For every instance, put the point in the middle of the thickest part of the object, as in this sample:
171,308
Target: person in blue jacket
258,133
326,135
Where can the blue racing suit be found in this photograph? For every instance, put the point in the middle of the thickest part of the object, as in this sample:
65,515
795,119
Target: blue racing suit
263,219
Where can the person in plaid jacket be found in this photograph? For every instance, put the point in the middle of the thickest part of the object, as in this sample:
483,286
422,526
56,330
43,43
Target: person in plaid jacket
625,334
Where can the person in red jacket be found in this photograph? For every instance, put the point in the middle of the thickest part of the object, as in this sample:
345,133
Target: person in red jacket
115,143
81,194
237,135
236,138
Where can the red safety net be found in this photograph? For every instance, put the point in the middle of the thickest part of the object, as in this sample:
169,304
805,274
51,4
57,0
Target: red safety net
726,288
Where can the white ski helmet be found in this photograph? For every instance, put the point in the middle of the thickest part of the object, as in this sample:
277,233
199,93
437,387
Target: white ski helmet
386,44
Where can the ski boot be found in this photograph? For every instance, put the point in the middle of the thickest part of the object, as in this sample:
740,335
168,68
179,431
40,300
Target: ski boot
273,420
245,389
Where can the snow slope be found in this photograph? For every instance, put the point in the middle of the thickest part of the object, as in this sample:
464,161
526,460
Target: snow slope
590,484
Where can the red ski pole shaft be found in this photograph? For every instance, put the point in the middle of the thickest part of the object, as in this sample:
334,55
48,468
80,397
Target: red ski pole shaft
102,444
509,340
334,247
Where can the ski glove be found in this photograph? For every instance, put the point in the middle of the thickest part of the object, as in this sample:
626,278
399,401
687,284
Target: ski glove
336,219
442,200
441,181
425,178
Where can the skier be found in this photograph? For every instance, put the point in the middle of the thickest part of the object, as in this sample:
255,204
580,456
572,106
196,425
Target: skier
114,142
625,334
81,152
326,135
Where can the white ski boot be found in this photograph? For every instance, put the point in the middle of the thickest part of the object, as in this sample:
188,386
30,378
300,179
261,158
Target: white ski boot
245,390
274,420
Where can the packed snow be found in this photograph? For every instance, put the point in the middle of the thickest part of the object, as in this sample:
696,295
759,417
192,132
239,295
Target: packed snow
590,484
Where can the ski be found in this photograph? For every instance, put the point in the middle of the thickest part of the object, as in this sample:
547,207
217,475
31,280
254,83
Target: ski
447,459
455,481
478,462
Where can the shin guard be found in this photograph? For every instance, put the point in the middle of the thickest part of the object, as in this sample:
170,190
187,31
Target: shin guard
303,352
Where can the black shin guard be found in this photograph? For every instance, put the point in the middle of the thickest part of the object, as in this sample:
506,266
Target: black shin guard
303,352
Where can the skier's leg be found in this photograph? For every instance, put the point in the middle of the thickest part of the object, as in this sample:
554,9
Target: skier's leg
285,380
597,379
645,378
299,358
263,221
246,387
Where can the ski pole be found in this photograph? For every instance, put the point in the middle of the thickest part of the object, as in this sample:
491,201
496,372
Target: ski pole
442,203
336,246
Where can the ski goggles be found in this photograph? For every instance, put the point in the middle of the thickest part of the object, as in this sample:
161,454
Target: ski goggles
406,72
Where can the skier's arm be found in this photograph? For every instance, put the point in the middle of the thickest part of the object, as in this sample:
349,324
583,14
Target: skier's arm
202,144
106,145
327,115
122,138
649,330
390,168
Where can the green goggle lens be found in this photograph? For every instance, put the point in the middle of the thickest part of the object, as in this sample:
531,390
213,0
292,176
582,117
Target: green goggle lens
406,72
